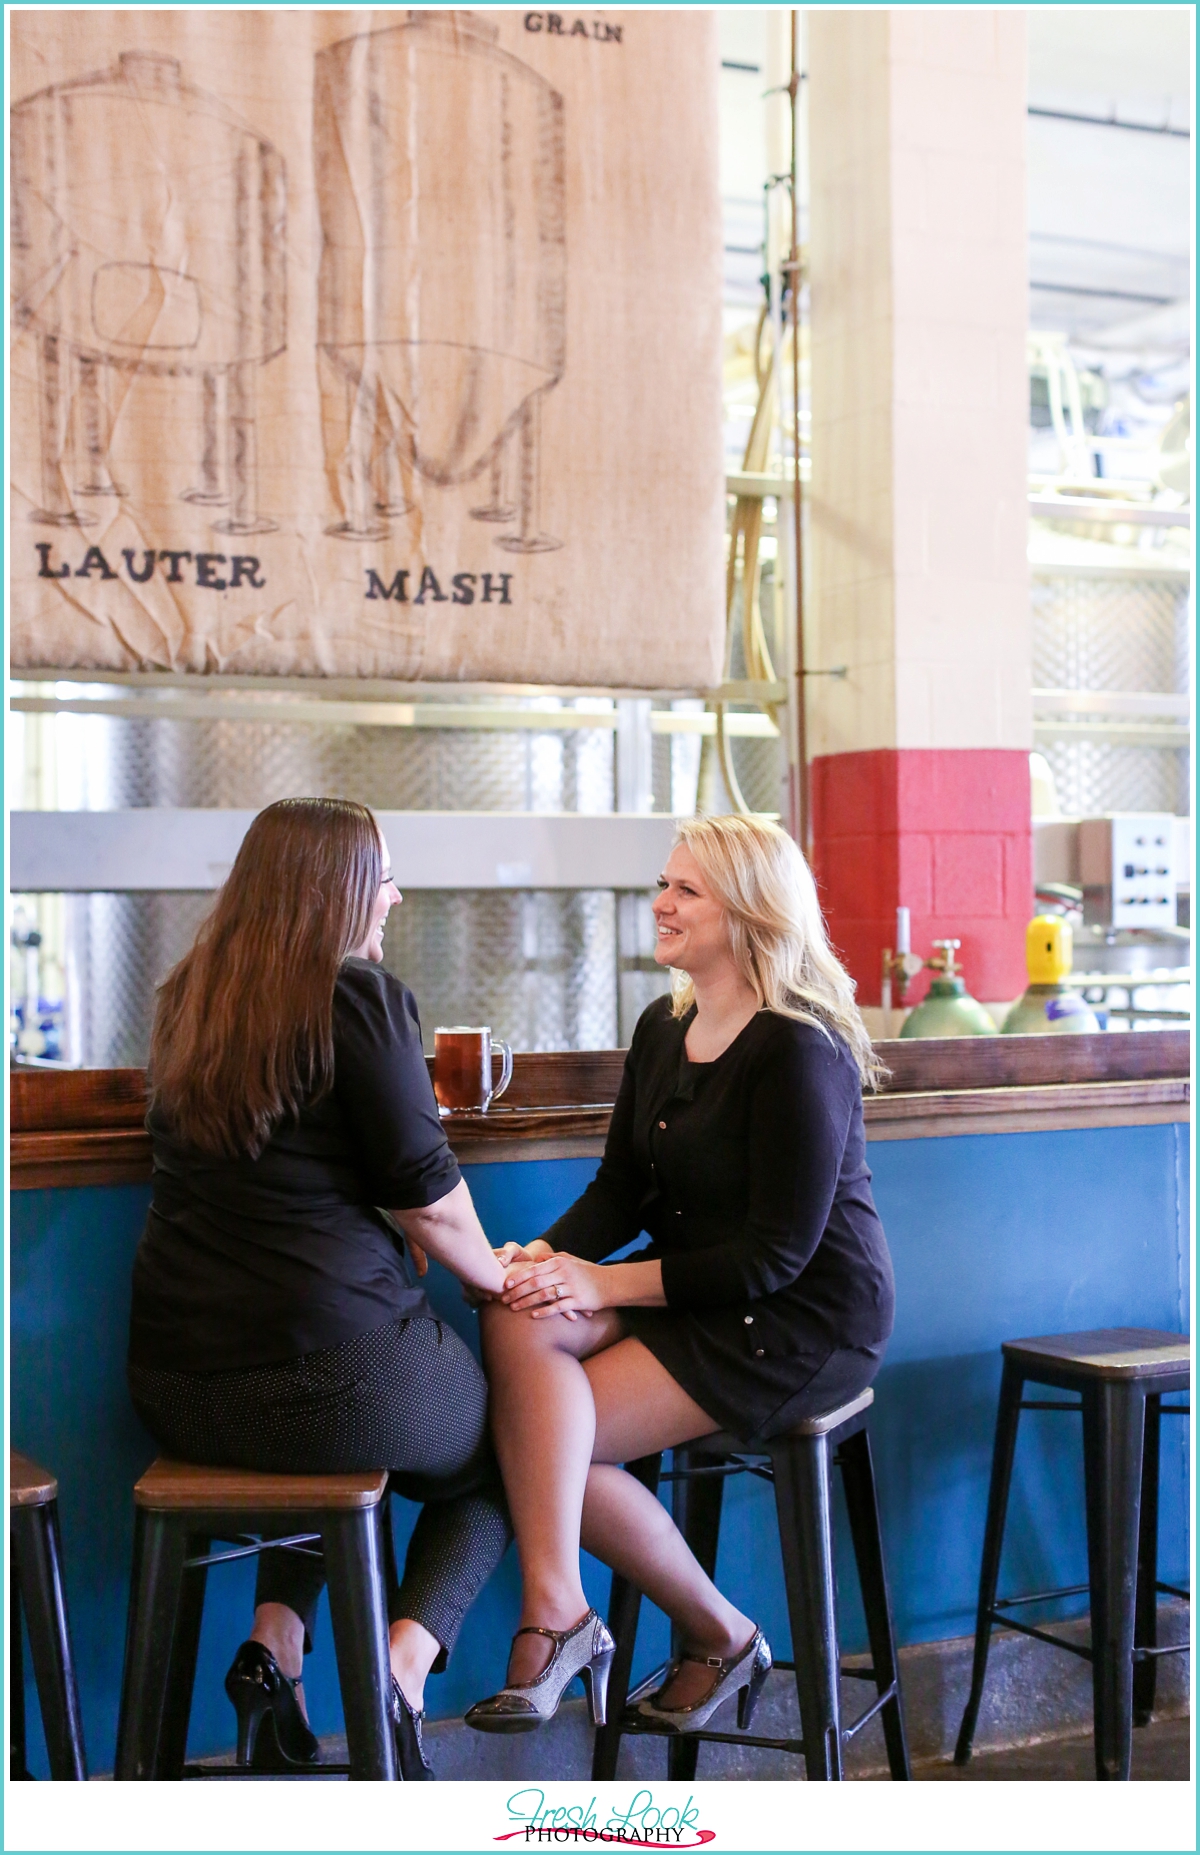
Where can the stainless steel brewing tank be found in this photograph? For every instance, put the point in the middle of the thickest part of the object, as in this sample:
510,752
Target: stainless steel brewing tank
442,285
148,230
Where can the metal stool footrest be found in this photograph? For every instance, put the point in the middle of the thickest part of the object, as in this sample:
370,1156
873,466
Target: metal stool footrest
646,1728
248,1545
763,1470
1028,1629
197,1773
877,1706
1043,1597
633,1722
1141,1653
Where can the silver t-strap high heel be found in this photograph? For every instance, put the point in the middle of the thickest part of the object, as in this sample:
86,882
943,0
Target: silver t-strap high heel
744,1674
587,1649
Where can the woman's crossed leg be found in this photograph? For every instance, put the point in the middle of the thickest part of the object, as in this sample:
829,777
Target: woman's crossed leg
570,1402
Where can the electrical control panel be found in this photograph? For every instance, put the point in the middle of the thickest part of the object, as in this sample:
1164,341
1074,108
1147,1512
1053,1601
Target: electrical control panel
1127,869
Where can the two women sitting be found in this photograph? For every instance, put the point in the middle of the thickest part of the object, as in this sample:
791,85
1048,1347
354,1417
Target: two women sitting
301,1174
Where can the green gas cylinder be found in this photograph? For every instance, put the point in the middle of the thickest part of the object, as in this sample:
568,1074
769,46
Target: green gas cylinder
948,1010
1047,1004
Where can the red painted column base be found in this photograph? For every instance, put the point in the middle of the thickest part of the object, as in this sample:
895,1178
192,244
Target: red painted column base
944,832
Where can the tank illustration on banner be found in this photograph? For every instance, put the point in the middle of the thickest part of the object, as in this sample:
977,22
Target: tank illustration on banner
148,230
439,167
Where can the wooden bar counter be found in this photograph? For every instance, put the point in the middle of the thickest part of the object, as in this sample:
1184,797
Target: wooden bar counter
85,1126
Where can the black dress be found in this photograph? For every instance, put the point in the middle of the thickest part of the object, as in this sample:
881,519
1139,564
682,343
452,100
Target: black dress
749,1174
277,1322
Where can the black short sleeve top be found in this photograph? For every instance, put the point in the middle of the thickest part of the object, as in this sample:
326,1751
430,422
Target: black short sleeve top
247,1262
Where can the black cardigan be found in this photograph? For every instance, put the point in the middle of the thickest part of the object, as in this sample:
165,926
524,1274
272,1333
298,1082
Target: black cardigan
749,1173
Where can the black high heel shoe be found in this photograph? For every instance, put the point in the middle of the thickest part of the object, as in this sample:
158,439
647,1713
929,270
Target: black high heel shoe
410,1750
273,1734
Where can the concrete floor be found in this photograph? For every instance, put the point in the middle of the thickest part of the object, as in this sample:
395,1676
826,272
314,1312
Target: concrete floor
1160,1751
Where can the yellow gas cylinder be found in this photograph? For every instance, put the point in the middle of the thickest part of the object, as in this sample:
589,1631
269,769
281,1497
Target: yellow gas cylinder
1048,1004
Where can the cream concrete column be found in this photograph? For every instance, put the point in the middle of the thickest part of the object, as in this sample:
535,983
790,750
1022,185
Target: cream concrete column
917,552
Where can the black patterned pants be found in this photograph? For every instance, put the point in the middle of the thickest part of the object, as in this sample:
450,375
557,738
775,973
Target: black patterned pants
409,1397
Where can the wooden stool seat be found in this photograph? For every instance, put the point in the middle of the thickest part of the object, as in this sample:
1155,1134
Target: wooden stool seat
800,1464
177,1487
39,1590
1121,1353
29,1485
724,1443
1119,1376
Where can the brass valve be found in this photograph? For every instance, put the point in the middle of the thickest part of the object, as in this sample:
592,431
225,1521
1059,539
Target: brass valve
943,962
900,968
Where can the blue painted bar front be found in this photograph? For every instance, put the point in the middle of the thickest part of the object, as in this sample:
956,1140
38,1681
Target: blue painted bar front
994,1237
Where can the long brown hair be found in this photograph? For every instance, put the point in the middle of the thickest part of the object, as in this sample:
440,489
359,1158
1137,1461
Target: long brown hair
243,1029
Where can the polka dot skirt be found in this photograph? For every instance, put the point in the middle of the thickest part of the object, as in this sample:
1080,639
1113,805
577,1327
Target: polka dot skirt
409,1397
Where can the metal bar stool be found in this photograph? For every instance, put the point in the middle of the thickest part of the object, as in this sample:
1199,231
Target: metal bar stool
1121,1375
37,1586
180,1509
799,1466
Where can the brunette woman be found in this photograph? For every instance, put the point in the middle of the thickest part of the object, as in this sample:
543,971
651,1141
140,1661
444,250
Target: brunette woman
278,1323
766,1296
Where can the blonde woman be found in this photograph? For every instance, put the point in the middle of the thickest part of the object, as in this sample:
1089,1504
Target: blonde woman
766,1295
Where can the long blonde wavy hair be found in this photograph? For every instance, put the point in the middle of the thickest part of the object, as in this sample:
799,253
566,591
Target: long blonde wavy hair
776,933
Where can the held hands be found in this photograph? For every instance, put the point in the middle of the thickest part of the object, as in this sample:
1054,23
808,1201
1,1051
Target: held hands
532,1252
554,1284
507,1254
516,1253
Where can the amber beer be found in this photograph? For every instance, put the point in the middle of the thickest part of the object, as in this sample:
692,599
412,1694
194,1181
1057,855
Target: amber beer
462,1068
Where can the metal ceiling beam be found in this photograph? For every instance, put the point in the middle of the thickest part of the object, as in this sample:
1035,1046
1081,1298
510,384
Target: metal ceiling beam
169,705
151,849
382,689
1127,704
1100,509
1109,122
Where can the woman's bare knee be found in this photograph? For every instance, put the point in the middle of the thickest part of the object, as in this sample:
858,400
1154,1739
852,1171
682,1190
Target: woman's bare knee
514,1336
519,1329
518,1336
504,1334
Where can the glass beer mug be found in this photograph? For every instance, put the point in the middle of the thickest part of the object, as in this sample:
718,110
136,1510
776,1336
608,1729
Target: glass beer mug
462,1068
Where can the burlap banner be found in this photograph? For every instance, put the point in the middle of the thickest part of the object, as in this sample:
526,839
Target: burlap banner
367,344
